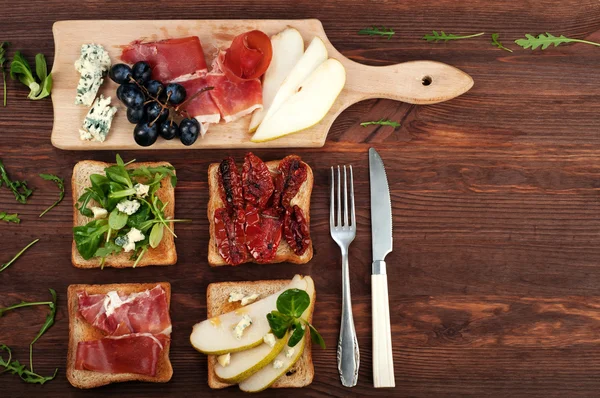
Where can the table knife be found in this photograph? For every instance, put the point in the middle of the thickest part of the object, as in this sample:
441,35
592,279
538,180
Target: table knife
381,234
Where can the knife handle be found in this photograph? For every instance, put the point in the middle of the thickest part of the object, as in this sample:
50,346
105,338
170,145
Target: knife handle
383,361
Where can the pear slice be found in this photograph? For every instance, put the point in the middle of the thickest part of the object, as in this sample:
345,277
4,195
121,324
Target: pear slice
215,336
288,48
308,106
245,363
315,55
265,377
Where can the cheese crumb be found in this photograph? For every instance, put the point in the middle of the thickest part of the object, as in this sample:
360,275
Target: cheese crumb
128,207
235,296
99,213
277,364
141,190
269,339
224,360
244,323
249,299
289,352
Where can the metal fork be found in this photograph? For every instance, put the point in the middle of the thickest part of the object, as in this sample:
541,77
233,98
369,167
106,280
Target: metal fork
343,234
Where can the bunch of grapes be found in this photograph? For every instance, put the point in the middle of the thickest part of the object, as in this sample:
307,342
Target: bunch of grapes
152,106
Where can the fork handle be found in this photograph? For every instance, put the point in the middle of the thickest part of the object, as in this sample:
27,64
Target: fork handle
383,362
348,356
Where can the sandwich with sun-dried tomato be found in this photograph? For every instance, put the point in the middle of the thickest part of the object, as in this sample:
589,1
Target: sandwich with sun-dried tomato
259,212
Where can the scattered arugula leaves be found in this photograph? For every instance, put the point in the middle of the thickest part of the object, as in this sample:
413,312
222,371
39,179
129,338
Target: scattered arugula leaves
530,41
19,68
2,61
497,43
15,367
8,264
381,122
61,185
291,304
14,218
443,36
19,188
377,31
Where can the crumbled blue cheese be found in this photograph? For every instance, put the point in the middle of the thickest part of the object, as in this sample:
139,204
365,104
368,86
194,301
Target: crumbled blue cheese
92,64
98,120
278,364
235,296
269,339
128,207
99,213
289,352
244,323
141,190
127,242
249,299
224,360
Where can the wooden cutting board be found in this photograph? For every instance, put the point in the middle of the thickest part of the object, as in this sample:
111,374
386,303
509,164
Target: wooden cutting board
416,82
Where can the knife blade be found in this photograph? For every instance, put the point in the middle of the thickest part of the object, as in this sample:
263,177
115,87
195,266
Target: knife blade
381,235
381,213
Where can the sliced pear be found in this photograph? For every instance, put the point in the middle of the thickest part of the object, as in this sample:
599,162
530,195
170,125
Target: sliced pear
315,55
288,48
308,106
244,364
215,336
265,377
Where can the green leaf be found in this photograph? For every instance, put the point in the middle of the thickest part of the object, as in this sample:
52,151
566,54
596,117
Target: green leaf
109,248
381,122
156,235
117,220
316,336
298,332
46,88
2,61
119,175
41,69
497,43
14,218
138,219
47,324
293,302
18,188
8,264
376,31
88,237
443,36
548,39
279,323
19,68
61,185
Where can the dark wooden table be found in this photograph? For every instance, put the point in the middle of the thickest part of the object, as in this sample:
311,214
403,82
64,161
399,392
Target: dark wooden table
494,280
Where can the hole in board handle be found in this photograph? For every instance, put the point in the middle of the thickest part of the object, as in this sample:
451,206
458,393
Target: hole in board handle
427,80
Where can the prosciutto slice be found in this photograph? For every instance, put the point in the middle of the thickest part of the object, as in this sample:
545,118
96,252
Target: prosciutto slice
200,106
134,353
171,60
234,100
118,314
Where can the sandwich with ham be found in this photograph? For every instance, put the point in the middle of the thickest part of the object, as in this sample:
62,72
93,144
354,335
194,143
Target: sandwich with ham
119,332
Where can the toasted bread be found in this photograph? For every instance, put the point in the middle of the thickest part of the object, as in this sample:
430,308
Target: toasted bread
80,330
217,295
164,254
284,251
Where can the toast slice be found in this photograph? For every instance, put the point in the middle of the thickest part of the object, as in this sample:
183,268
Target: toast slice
284,251
80,330
164,254
217,295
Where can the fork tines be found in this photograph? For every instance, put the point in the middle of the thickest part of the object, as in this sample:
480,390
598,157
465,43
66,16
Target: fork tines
338,214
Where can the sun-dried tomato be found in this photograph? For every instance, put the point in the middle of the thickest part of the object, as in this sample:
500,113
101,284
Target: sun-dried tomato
257,181
230,236
230,185
295,230
292,174
263,233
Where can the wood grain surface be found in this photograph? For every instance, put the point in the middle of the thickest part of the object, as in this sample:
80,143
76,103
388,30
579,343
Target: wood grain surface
494,278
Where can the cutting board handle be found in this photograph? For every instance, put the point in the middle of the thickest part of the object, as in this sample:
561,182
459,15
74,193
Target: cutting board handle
415,82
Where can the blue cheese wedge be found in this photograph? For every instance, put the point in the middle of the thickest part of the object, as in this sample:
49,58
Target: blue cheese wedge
93,64
96,124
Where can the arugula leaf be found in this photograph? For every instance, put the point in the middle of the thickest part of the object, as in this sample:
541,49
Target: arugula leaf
382,122
4,216
2,61
316,336
15,368
279,323
497,43
297,334
88,237
435,36
8,264
548,39
109,248
293,302
18,188
375,31
47,324
61,185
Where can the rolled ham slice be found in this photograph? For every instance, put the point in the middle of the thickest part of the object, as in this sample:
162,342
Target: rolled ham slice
171,60
134,353
118,314
234,99
200,106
